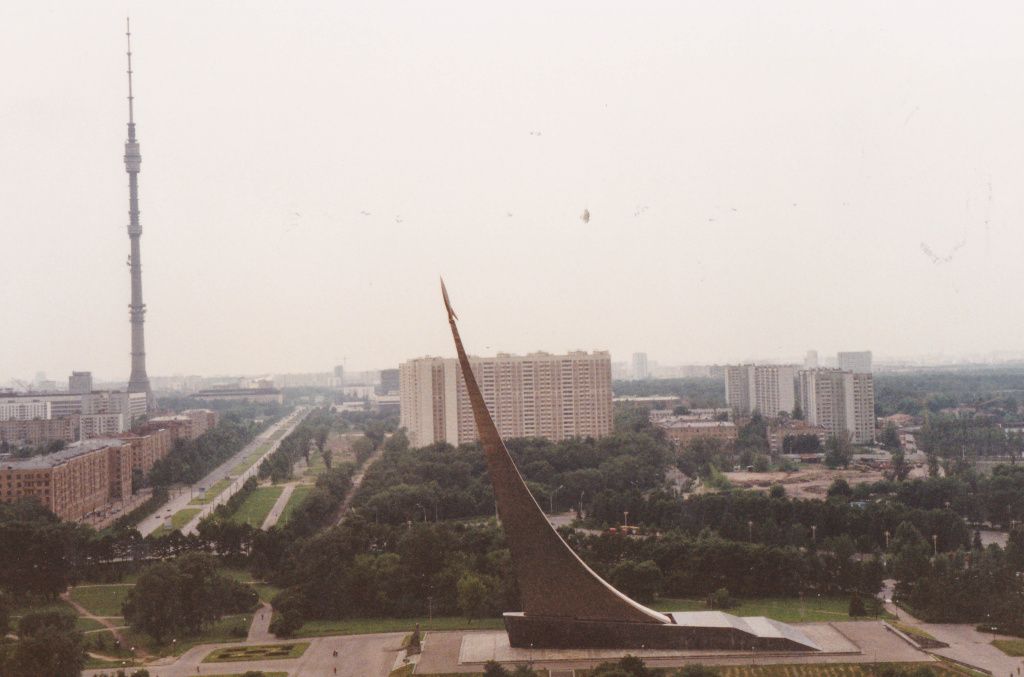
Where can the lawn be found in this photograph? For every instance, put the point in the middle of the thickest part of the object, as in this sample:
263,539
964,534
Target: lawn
1010,647
298,495
101,600
211,493
257,506
266,591
363,626
259,652
227,629
178,520
786,609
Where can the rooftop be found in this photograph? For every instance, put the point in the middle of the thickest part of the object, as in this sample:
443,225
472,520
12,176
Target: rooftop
64,455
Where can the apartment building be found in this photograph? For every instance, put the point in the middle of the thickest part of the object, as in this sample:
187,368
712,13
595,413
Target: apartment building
189,424
102,425
60,404
73,482
130,405
859,362
38,431
24,409
146,449
537,395
768,389
841,402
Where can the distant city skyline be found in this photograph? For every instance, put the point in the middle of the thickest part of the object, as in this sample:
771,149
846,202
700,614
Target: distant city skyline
758,180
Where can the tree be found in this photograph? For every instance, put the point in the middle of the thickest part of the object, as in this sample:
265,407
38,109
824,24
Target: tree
627,666
840,488
838,452
900,467
798,413
777,491
472,592
183,596
48,644
720,599
857,606
639,580
891,437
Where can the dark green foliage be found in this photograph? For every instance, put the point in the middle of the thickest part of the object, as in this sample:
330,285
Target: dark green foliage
191,460
639,580
182,596
720,599
697,392
48,644
857,606
627,666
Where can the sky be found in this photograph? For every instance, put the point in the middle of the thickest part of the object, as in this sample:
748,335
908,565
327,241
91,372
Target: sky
761,178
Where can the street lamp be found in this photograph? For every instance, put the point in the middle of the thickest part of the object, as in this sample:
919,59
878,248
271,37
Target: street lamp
552,497
935,545
814,533
625,518
886,539
750,530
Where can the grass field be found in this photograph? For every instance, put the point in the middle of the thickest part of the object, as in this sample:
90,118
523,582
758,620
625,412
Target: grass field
785,609
361,626
911,630
212,492
1010,647
260,652
101,600
227,629
257,506
298,495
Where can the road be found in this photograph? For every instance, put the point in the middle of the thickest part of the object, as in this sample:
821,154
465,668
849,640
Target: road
181,497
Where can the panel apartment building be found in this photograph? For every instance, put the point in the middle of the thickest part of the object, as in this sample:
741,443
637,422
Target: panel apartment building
537,395
768,389
841,402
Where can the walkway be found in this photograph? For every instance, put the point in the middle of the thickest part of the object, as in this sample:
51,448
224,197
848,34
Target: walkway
357,481
966,644
115,630
282,501
259,631
358,656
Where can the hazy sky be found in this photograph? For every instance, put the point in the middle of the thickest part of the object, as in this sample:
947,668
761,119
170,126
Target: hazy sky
762,178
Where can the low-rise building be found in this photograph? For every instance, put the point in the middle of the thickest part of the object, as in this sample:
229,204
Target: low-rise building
267,395
778,433
683,432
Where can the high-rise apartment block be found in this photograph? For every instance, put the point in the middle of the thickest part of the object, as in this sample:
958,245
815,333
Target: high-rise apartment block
858,362
538,395
80,382
768,389
640,370
842,402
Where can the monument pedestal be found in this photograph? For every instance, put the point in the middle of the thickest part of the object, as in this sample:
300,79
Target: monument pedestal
694,630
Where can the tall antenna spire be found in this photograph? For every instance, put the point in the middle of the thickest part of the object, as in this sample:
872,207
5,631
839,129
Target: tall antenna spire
139,381
131,99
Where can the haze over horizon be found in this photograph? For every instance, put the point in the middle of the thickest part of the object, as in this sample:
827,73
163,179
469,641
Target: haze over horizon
761,180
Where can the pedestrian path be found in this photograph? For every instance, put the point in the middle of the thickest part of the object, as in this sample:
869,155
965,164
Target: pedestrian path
278,509
259,631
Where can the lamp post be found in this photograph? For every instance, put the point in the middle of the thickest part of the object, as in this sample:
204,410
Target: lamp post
625,518
552,497
935,545
750,530
814,533
581,502
886,539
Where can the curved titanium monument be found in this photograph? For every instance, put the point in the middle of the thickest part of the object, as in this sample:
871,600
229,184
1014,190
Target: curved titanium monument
565,603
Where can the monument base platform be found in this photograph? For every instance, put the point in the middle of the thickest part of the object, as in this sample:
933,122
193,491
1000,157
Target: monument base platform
689,631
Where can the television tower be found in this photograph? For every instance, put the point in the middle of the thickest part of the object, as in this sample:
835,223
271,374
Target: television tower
139,381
